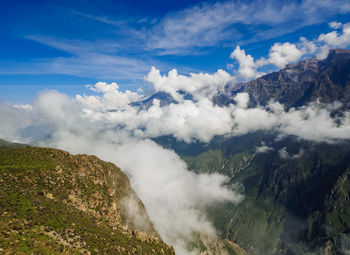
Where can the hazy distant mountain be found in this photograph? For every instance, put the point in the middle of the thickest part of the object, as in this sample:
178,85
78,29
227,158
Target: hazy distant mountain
163,97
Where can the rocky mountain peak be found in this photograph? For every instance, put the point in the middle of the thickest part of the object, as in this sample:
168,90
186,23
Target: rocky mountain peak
300,83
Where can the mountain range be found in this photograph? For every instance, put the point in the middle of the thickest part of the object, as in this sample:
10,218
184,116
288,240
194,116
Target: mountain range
296,192
298,84
293,86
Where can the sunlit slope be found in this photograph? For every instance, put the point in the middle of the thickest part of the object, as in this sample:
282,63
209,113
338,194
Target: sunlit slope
52,202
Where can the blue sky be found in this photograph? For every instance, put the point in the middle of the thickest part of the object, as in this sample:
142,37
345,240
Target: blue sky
65,45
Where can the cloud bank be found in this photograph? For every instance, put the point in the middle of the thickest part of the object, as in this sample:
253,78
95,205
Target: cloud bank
174,197
106,124
186,120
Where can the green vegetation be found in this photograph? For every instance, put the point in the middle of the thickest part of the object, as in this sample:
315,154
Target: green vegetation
6,144
291,206
54,203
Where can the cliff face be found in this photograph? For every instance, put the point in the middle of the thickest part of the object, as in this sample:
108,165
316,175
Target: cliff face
295,204
54,202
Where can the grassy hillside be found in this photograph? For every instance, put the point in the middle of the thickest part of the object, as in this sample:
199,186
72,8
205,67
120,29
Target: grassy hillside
54,203
6,144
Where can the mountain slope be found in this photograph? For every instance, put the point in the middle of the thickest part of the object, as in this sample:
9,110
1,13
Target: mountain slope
295,202
52,202
297,192
298,84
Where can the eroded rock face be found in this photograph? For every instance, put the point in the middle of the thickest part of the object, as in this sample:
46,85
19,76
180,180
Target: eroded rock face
299,84
54,202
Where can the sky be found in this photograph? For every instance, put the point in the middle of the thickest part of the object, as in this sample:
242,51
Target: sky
66,45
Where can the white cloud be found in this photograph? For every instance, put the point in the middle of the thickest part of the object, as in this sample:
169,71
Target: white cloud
169,190
307,47
335,39
281,54
112,98
186,121
13,120
263,148
206,24
323,52
247,66
314,122
284,154
335,25
23,106
195,84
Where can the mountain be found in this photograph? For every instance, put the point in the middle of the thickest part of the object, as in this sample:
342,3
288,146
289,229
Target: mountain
164,98
52,202
296,192
298,84
295,85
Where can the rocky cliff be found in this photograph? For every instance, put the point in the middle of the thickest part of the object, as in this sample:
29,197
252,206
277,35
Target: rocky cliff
52,202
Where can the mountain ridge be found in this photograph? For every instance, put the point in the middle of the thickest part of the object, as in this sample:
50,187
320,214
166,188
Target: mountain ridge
297,192
298,84
54,202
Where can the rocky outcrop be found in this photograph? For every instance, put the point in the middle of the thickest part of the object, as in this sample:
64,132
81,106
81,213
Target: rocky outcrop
54,202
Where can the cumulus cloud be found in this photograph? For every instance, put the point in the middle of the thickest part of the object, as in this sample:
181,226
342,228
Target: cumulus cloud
247,66
184,120
111,98
335,39
199,85
281,54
